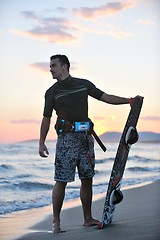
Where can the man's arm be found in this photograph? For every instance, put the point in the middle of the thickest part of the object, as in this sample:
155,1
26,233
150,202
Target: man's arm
45,125
112,99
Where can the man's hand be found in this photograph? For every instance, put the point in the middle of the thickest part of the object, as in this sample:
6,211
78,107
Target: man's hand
132,100
43,151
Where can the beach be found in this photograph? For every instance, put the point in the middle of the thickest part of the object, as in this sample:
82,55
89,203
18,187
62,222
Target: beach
136,217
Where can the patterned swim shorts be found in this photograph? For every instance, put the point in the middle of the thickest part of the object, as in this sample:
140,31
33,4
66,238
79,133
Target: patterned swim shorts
73,150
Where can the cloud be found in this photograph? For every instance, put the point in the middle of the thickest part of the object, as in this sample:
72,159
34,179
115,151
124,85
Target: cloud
108,9
29,15
104,118
62,9
119,34
148,22
43,66
50,29
106,29
25,121
99,118
62,30
151,118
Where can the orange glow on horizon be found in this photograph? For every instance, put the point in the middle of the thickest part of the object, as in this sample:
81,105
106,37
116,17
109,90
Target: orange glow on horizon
16,132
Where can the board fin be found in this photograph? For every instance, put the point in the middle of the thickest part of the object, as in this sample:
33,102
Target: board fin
131,136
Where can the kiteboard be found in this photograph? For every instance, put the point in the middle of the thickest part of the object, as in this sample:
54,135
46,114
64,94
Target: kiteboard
128,137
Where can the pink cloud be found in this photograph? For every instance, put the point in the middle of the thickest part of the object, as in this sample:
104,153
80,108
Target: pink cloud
149,22
104,118
51,29
151,118
25,121
43,66
108,9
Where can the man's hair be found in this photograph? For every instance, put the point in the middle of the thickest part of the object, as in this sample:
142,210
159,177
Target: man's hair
62,58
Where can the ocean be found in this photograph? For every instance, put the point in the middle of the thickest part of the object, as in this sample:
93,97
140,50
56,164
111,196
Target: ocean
26,179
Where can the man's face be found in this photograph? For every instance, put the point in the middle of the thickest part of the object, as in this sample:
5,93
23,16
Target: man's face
56,69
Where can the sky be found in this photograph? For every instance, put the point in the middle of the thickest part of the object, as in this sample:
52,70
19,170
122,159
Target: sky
114,44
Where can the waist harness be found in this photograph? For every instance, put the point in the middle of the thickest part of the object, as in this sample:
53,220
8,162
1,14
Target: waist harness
65,126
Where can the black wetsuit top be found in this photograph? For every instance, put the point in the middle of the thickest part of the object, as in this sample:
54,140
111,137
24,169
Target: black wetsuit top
69,98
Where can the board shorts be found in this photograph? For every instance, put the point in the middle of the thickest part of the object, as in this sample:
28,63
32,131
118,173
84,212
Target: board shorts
74,150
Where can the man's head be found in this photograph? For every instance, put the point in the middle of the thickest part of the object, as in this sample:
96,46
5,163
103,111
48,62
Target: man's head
59,66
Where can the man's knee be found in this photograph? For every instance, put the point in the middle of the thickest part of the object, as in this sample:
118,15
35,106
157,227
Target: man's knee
59,186
86,182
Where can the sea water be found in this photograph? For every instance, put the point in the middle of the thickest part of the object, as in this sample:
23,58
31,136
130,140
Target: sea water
26,179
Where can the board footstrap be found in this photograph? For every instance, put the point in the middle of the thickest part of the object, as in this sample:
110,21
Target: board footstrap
131,135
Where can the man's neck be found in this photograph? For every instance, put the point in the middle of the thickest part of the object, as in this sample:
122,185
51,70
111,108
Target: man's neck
63,77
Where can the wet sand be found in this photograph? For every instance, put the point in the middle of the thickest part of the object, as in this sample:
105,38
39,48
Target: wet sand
136,217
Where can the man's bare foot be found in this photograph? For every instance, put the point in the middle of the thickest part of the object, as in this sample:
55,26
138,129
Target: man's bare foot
56,228
91,222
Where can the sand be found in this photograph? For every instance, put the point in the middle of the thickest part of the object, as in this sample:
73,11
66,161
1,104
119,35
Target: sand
136,217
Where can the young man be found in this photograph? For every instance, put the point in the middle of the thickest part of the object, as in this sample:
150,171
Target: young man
75,146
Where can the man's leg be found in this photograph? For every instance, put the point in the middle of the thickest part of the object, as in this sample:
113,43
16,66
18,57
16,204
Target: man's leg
58,194
86,199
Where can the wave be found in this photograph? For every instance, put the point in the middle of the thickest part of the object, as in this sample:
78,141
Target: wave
26,181
6,167
4,180
24,176
29,186
18,205
131,182
100,161
142,159
71,193
143,169
130,158
101,172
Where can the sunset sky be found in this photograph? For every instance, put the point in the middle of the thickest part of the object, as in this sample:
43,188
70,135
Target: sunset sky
114,44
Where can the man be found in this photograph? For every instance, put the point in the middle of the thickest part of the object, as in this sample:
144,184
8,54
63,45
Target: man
75,146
